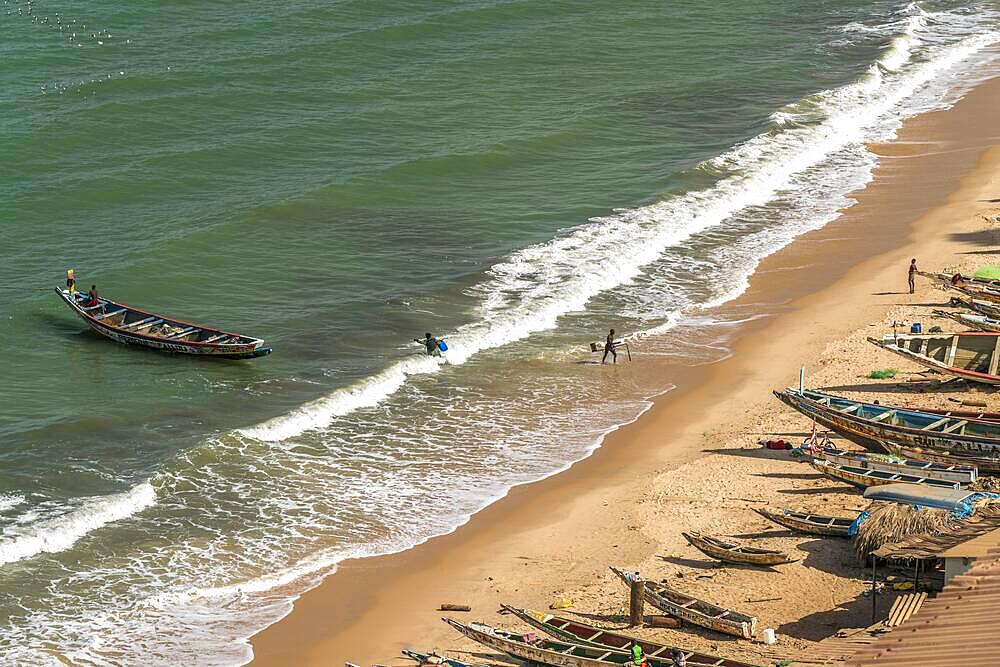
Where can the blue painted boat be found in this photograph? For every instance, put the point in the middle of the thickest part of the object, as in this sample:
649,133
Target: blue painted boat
863,478
871,425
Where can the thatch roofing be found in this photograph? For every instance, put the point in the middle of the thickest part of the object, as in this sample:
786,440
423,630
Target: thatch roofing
932,545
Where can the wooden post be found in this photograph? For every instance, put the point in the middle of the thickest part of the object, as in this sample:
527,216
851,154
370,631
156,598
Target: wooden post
637,594
874,579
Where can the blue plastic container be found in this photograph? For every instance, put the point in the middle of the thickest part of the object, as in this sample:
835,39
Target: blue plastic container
443,346
915,328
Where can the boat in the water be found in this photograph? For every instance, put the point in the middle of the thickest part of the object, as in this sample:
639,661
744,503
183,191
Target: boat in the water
132,326
731,552
976,321
693,610
961,474
578,632
537,650
971,356
873,426
810,524
862,478
987,463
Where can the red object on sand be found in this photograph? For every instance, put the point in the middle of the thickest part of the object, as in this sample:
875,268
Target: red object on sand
776,444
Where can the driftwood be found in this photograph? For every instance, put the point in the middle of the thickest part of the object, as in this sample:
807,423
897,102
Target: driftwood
662,622
445,606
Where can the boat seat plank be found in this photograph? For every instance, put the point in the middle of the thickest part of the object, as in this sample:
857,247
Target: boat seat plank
214,338
148,325
885,415
954,427
933,426
181,333
850,408
112,314
136,323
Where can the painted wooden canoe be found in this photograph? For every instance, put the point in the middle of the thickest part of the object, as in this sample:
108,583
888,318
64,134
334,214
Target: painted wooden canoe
810,524
984,463
695,611
948,473
981,306
731,552
872,425
534,649
132,326
578,632
863,478
989,289
433,659
971,356
975,321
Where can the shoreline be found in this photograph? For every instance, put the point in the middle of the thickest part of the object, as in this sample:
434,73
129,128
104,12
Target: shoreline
591,513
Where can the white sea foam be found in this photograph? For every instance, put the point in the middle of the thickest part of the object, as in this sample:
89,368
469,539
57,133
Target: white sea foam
61,532
535,286
9,501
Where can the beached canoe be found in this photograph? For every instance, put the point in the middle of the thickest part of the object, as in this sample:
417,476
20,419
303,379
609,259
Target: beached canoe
981,306
862,478
578,632
427,659
534,649
984,463
731,552
915,495
971,356
990,289
975,321
810,524
693,610
871,426
132,326
945,472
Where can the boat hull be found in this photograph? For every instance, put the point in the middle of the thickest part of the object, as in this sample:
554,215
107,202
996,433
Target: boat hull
960,474
862,479
731,553
810,524
704,614
248,350
971,356
869,426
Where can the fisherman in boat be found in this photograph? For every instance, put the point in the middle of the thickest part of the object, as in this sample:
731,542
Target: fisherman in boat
638,656
92,299
70,281
609,348
911,276
431,343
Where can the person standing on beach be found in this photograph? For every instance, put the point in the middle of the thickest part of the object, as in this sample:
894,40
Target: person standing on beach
912,275
609,348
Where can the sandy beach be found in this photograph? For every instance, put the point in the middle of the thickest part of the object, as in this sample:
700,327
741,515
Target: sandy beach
693,461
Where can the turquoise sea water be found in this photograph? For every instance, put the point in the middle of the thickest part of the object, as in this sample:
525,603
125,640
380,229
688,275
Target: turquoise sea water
339,178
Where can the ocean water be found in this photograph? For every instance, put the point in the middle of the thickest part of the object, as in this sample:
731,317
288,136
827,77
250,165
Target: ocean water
339,178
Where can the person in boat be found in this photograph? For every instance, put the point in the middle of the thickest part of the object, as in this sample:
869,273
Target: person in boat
609,348
71,281
92,299
431,343
912,274
678,659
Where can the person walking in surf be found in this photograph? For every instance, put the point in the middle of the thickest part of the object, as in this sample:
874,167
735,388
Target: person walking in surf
431,343
609,348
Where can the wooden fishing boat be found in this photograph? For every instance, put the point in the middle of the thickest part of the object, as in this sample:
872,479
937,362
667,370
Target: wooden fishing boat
981,306
863,478
961,474
810,524
872,426
976,321
534,649
731,552
982,463
433,659
132,326
972,286
578,632
695,611
972,356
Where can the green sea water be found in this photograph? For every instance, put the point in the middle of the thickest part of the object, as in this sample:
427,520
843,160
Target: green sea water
341,177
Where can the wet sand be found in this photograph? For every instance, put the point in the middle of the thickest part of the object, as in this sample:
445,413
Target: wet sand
692,462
